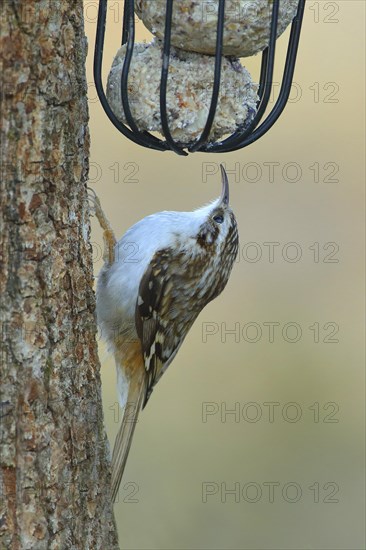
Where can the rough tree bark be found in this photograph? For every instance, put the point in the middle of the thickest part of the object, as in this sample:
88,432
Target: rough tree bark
54,464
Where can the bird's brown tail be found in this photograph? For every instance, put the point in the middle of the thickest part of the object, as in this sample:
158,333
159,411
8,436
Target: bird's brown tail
136,396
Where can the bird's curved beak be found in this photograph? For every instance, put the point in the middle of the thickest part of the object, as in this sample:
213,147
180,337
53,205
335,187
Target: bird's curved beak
224,199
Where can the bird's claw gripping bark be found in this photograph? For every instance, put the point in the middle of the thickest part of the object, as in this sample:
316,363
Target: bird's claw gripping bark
108,235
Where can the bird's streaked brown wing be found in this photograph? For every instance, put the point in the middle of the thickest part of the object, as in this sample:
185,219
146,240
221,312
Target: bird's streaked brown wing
151,302
160,331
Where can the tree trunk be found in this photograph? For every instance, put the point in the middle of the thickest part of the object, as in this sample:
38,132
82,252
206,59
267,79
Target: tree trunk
54,463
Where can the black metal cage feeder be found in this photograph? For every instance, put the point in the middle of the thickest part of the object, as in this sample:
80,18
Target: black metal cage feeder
239,139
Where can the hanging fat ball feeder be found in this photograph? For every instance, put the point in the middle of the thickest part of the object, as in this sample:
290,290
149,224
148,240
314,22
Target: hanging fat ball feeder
176,87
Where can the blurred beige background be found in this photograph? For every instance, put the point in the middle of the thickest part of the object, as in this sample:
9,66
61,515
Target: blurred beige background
286,469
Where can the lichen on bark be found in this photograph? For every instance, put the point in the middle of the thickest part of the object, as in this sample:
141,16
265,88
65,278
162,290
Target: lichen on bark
54,461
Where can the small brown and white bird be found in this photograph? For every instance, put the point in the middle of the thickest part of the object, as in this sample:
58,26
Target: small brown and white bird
166,269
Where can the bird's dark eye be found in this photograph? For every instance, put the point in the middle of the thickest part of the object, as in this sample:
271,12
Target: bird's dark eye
218,218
